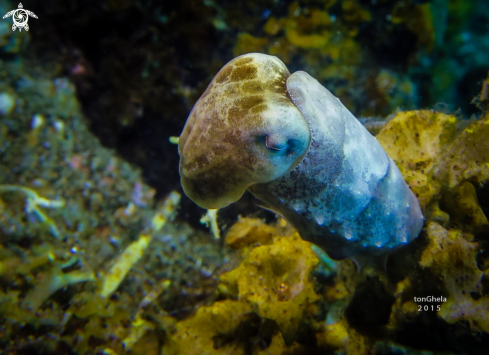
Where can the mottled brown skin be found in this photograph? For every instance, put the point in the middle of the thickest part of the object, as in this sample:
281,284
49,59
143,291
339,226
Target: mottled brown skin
220,146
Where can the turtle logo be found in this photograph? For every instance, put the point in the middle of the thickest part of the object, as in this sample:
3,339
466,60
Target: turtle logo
20,17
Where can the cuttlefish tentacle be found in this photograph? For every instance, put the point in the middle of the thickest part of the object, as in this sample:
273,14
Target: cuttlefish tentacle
296,147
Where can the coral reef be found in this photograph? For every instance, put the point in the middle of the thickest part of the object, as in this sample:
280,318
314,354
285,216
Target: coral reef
275,280
328,42
452,256
93,260
198,334
249,231
269,297
414,140
436,287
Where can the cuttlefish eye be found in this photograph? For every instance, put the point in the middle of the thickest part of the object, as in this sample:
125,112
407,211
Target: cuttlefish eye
244,130
275,142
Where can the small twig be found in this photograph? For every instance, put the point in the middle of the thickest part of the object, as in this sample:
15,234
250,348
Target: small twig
210,219
32,203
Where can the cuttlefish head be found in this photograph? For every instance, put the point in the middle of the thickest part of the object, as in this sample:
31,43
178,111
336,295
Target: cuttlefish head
243,130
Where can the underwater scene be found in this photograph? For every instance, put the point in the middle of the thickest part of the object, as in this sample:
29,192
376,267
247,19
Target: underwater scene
244,177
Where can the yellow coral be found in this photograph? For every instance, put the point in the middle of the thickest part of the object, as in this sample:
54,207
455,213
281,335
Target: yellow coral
468,156
272,282
196,335
345,57
449,247
307,32
476,312
420,142
355,14
247,43
275,279
414,140
461,203
277,346
248,231
344,338
451,257
273,26
335,335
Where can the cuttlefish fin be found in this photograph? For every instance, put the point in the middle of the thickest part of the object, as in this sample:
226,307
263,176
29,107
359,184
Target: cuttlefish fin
265,207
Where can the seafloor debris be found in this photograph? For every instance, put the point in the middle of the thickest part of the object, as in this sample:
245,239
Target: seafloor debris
123,264
133,253
86,252
33,202
210,220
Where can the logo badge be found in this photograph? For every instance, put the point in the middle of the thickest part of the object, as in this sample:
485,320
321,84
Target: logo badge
20,17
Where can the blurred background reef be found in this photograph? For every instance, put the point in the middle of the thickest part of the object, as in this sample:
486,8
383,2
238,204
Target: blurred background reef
101,253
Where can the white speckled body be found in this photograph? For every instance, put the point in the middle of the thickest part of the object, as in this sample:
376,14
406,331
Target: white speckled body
307,157
346,195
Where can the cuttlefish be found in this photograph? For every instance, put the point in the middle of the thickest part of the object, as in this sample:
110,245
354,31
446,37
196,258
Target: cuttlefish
291,143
